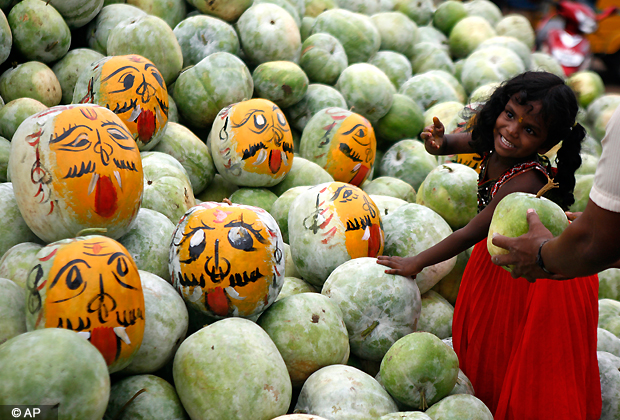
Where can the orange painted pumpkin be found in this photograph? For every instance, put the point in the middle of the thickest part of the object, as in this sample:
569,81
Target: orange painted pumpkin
133,88
251,143
342,142
89,285
227,260
75,167
330,224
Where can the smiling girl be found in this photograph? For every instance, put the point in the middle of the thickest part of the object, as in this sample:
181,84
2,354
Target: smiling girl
529,349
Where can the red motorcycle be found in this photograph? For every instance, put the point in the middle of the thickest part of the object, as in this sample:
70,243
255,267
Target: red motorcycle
562,34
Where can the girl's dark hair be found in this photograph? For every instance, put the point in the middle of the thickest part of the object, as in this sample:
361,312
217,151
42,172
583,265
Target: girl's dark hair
559,110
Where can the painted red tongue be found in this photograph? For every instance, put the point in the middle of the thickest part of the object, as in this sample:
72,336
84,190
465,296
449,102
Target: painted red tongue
106,201
374,242
146,125
105,340
275,160
217,302
359,176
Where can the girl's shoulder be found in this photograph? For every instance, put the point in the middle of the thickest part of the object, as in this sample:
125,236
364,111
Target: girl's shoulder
487,188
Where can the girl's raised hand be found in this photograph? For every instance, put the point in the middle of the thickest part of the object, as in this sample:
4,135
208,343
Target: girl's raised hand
402,266
433,135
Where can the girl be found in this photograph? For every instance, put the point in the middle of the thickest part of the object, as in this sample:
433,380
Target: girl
529,349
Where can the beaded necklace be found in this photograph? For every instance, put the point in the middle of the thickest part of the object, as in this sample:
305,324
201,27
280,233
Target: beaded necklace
488,188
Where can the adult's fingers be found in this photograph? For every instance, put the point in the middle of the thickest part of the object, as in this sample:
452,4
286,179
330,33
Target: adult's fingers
533,220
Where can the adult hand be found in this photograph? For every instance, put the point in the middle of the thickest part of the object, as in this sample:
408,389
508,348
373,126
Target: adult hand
523,250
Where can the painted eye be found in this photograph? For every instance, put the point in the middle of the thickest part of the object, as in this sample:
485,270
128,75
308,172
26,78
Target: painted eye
197,244
241,239
159,79
74,278
361,133
278,255
281,119
122,268
223,132
259,121
117,134
127,81
80,142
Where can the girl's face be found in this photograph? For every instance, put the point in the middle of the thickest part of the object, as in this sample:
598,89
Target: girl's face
520,131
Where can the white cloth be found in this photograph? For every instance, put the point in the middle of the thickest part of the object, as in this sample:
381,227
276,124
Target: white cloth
605,192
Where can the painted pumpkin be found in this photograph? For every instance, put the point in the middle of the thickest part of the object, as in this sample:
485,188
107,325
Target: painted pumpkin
330,224
342,142
227,260
75,167
251,143
90,285
132,88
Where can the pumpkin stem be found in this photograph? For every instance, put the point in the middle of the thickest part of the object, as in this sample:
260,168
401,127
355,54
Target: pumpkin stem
92,231
368,330
423,403
227,201
548,186
117,416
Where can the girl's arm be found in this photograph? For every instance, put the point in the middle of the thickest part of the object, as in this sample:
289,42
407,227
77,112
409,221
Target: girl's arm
475,231
437,142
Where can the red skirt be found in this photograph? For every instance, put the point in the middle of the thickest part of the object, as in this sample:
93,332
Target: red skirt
529,349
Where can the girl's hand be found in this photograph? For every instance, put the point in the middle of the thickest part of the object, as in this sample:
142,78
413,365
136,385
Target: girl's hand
433,136
572,215
402,266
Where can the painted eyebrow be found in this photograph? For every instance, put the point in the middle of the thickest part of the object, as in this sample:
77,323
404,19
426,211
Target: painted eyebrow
241,223
66,267
118,71
67,133
247,118
353,129
121,128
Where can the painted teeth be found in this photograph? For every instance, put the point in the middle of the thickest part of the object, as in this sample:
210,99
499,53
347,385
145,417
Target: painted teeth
135,113
233,293
122,334
93,183
366,234
84,334
262,156
117,175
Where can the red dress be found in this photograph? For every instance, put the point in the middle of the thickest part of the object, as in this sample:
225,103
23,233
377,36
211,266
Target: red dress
529,349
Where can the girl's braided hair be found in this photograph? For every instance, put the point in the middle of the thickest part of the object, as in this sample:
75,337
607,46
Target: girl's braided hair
559,109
